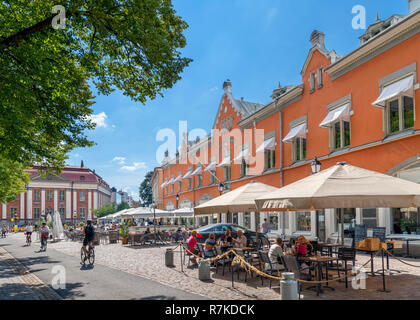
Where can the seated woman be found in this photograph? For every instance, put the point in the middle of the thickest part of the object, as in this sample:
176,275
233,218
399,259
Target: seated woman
301,246
226,241
276,251
209,246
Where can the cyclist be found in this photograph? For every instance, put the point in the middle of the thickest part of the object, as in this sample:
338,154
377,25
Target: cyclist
45,231
29,233
89,236
3,231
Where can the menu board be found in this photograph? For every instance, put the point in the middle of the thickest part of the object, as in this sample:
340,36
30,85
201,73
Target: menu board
360,233
380,233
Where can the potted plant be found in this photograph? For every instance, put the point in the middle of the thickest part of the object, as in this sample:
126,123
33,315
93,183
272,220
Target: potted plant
404,226
412,225
124,232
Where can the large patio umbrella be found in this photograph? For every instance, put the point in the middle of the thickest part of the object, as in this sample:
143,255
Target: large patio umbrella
343,186
238,200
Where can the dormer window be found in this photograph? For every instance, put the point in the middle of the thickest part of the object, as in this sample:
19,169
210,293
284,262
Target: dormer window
312,82
320,78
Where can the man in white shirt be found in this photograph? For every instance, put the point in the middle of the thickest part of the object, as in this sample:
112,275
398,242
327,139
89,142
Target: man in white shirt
241,240
29,232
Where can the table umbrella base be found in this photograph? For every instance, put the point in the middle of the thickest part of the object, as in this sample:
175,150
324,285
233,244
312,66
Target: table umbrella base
385,291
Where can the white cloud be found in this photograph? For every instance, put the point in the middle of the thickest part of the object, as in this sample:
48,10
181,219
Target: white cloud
136,166
99,119
120,160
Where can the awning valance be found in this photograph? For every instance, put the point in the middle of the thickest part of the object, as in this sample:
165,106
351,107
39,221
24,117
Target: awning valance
401,87
341,113
188,174
179,178
225,162
170,181
269,144
197,171
244,154
211,167
164,184
296,132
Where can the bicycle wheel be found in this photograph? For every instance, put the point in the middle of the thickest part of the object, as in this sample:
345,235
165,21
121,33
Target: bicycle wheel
82,256
91,257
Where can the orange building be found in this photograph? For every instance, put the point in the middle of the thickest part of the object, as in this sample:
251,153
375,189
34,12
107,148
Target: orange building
359,108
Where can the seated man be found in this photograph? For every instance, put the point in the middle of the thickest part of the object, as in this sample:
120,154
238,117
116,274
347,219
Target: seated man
275,253
241,240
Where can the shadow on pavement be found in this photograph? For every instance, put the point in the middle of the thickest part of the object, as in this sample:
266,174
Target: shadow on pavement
156,298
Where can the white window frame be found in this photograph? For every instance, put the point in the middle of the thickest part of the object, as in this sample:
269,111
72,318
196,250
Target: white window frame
227,173
387,119
80,196
312,81
212,177
294,156
320,77
342,139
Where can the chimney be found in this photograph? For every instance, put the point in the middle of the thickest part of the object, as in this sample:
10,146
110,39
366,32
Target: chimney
317,39
227,86
81,164
413,5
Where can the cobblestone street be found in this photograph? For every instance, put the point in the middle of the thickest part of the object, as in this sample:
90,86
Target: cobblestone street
17,283
149,262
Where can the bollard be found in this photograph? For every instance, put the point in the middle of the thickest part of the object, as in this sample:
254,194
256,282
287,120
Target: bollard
169,258
204,271
289,287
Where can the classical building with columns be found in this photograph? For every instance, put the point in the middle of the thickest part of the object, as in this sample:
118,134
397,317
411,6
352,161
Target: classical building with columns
74,193
361,108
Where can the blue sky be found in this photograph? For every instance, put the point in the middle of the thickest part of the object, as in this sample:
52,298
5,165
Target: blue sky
255,44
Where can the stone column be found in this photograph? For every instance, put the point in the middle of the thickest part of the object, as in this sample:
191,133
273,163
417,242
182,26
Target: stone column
74,202
359,217
43,201
241,221
29,203
329,223
383,215
292,222
68,204
4,211
22,206
224,217
253,226
89,204
313,223
55,195
95,199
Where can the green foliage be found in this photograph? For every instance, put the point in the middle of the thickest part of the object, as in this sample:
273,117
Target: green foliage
82,224
105,210
45,98
145,190
122,206
124,229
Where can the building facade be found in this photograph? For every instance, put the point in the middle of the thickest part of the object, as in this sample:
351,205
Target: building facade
74,193
361,108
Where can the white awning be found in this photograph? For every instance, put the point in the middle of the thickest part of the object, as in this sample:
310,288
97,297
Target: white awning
179,178
164,184
244,154
197,171
187,175
341,113
225,162
296,132
402,87
269,144
170,181
211,167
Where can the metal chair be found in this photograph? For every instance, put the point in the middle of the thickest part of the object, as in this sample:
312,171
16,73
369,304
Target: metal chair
224,261
346,255
238,267
187,253
267,266
291,265
348,242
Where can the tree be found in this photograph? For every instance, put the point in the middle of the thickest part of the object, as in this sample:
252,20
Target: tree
145,190
122,206
105,210
45,97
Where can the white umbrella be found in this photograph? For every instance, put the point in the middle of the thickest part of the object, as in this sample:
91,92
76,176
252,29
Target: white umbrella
343,186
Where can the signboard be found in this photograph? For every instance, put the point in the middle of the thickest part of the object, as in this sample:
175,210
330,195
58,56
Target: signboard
360,232
380,233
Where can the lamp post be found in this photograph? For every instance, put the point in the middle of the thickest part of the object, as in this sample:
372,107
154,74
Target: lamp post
316,166
153,206
221,188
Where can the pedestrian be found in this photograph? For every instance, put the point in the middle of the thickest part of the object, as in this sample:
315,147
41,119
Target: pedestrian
264,227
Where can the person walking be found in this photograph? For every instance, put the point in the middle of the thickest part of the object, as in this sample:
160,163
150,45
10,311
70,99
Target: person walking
264,226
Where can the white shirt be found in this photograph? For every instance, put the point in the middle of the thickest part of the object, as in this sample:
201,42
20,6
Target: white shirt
242,243
29,229
275,252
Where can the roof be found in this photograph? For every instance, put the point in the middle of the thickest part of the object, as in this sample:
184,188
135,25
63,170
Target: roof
247,108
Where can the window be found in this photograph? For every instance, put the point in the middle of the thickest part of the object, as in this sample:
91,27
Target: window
61,211
320,78
199,180
49,195
299,147
37,195
82,213
303,221
166,190
312,81
244,168
341,134
13,212
172,188
180,186
247,220
369,217
226,173
349,220
61,195
82,196
189,183
399,114
270,159
273,221
37,213
235,218
212,177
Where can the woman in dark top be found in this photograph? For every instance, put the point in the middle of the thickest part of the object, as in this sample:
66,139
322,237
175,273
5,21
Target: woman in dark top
227,241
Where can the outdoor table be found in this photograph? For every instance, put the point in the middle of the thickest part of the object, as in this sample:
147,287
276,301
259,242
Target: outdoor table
372,252
407,240
330,247
319,260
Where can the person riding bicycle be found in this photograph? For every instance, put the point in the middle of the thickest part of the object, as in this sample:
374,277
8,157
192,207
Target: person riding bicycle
29,232
89,236
3,231
45,231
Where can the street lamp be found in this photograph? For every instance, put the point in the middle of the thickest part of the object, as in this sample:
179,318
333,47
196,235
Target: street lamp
221,188
177,198
316,166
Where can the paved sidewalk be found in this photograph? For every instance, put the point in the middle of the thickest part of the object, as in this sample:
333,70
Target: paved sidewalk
18,283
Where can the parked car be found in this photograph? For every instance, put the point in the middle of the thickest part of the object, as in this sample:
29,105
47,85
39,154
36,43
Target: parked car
220,229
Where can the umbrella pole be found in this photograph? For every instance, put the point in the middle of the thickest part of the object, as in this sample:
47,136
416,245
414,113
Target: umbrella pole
256,227
342,226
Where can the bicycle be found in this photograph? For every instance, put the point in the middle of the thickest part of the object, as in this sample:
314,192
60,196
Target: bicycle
90,255
44,241
28,239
